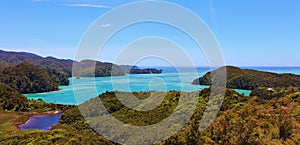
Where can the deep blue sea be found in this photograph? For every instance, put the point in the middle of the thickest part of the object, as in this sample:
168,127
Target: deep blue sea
170,79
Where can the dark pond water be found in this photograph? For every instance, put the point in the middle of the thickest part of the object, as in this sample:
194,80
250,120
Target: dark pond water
41,122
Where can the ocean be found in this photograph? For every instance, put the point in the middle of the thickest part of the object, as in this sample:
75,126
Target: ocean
179,79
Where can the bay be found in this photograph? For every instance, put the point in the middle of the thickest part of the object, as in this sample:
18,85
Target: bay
170,79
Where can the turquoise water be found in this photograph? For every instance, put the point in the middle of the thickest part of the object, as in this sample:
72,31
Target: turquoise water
170,79
244,92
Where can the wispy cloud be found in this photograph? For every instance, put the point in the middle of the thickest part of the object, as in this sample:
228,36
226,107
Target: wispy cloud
105,25
88,5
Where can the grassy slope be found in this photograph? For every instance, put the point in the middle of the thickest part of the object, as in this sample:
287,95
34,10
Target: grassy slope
9,121
60,134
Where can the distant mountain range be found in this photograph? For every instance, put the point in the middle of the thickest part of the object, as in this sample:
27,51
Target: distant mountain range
84,68
13,58
29,73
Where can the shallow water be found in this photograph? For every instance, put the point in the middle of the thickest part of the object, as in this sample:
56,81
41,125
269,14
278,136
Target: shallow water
87,88
170,79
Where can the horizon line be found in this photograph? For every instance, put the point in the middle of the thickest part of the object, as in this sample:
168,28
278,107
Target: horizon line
43,56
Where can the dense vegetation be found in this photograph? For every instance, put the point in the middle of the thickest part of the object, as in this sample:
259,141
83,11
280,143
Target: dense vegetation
12,100
90,68
266,94
3,64
26,78
58,77
241,120
253,80
272,122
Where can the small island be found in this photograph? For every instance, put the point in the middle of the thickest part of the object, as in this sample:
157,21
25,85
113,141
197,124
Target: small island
136,70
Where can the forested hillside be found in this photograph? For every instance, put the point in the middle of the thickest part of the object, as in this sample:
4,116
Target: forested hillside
26,78
3,64
252,79
241,120
11,99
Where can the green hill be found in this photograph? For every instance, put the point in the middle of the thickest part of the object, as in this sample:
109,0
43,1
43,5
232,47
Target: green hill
91,68
252,79
27,78
3,64
11,99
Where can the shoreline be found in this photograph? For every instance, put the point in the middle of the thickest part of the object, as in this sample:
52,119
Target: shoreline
58,90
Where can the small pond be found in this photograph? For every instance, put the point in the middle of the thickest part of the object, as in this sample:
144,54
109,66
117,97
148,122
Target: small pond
41,122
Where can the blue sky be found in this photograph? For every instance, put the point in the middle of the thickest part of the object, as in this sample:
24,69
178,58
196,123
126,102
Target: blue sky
250,33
